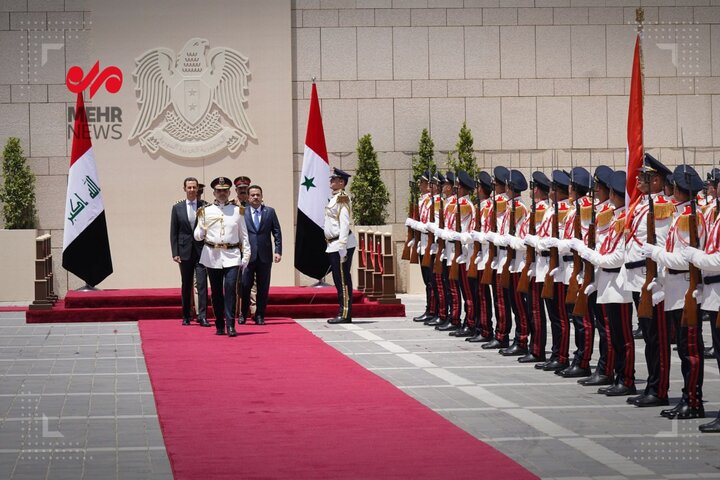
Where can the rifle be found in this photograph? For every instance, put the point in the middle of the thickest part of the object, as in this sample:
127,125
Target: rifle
523,285
455,266
548,291
510,256
437,266
472,268
581,303
645,307
414,254
574,287
411,213
690,309
427,260
487,277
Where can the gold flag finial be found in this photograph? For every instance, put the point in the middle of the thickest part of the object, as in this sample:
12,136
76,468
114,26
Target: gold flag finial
639,15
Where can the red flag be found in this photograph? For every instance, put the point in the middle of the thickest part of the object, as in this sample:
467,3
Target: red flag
635,151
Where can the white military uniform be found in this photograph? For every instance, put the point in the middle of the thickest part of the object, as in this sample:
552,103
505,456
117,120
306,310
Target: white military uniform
337,223
221,226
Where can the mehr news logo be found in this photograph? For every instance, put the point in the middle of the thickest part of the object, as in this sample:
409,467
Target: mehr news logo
103,122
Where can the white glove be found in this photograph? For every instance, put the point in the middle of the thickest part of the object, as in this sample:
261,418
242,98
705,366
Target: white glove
431,228
343,253
698,293
531,270
531,240
494,264
244,263
649,250
563,246
411,243
477,236
550,242
466,238
491,237
516,243
502,240
421,227
689,253
658,297
590,289
408,222
553,272
462,259
453,235
478,259
590,255
576,244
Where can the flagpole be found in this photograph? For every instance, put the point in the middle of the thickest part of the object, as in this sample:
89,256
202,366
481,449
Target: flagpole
639,19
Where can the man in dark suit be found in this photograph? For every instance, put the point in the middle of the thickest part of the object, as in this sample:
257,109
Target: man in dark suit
186,251
261,222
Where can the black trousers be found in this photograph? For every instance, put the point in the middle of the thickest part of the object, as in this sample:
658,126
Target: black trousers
606,361
655,332
452,297
559,324
189,269
343,282
467,295
521,314
584,336
692,360
503,310
259,274
538,320
430,287
618,323
484,310
223,283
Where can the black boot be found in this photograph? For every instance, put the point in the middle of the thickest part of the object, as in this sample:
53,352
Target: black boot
595,380
495,344
423,317
433,321
463,332
712,427
709,353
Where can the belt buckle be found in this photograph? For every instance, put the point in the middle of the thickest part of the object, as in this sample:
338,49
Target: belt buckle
218,245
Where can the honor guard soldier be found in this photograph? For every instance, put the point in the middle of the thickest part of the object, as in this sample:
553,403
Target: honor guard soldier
537,318
674,283
708,259
711,214
452,288
341,243
484,303
221,225
604,210
241,189
549,266
500,295
466,210
421,225
516,215
614,301
440,292
650,184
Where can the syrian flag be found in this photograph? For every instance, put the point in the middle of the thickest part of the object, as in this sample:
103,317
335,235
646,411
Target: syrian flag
310,256
86,249
635,151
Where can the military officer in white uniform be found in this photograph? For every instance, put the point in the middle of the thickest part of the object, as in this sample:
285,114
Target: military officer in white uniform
341,243
221,225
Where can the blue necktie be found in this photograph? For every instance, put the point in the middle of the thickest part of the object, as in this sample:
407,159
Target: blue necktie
256,219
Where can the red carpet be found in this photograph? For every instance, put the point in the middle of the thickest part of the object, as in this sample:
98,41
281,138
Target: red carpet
164,303
277,402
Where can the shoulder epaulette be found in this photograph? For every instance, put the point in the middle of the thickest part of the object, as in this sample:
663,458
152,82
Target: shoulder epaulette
586,209
663,209
242,209
604,216
501,203
180,201
540,210
465,209
343,197
620,223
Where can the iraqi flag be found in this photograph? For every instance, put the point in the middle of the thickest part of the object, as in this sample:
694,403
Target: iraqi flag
86,249
310,256
635,150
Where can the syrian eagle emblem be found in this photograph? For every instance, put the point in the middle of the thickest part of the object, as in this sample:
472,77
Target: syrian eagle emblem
193,92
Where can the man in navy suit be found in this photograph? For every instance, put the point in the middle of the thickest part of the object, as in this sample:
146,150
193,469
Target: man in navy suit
186,251
262,222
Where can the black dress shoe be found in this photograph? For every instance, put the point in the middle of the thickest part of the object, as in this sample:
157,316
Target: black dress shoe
651,401
186,321
515,350
541,365
618,390
203,322
463,332
433,321
632,400
575,372
709,353
443,324
495,344
595,380
242,320
232,332
530,358
219,332
479,339
554,366
423,317
337,319
671,412
687,412
259,320
447,328
637,334
712,427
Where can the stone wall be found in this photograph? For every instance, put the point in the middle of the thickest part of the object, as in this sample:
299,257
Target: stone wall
533,79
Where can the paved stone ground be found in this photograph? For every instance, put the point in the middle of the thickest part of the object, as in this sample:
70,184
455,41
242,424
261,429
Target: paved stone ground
76,402
552,426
